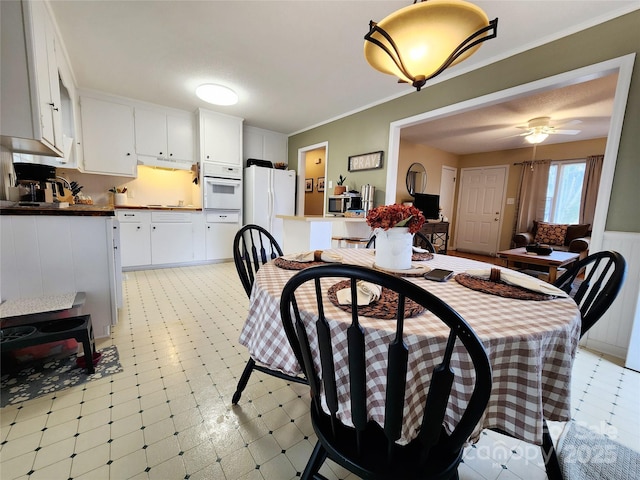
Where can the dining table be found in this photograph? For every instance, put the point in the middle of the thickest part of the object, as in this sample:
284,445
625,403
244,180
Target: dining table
531,345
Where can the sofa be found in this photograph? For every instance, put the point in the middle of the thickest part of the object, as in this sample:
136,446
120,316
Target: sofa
569,238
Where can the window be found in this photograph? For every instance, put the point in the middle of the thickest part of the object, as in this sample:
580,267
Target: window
564,192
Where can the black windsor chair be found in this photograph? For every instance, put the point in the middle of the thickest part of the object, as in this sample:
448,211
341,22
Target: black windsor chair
253,246
367,449
604,273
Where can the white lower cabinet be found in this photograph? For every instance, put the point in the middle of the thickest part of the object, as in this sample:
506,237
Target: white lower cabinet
135,237
171,237
150,238
221,227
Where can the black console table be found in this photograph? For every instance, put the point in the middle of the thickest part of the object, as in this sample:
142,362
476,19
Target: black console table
438,235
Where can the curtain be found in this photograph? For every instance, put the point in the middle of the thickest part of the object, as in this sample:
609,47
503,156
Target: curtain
590,184
532,196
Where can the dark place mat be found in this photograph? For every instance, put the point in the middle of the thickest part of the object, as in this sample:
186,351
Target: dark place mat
290,265
420,257
499,288
384,308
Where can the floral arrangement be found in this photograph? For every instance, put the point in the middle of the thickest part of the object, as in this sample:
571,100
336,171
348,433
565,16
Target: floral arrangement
389,216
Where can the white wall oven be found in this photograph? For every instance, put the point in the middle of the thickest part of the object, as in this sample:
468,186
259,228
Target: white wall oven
222,186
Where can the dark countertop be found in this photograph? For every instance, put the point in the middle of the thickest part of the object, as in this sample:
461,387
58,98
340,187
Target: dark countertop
189,208
71,210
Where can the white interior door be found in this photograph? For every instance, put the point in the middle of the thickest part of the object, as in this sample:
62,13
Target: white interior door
480,209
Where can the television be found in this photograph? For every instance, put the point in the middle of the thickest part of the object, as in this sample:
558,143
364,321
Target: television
428,204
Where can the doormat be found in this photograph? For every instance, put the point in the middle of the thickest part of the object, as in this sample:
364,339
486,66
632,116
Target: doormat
34,381
586,455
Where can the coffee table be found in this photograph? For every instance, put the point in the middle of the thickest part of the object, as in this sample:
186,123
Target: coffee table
553,261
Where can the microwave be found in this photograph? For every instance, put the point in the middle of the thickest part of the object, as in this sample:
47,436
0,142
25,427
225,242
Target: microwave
339,204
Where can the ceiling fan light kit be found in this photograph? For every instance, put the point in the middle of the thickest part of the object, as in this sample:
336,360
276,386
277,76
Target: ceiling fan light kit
418,42
538,129
536,137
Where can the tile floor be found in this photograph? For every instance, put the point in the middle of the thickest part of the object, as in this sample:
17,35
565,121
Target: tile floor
168,415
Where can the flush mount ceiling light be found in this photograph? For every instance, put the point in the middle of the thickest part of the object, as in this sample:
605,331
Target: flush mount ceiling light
420,41
216,94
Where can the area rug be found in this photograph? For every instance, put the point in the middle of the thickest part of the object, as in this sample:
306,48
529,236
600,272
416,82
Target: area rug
34,381
588,455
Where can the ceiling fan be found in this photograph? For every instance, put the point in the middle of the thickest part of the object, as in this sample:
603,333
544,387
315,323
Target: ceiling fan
538,129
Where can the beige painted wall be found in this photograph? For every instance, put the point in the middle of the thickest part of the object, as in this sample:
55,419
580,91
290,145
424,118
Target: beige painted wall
368,130
314,201
431,158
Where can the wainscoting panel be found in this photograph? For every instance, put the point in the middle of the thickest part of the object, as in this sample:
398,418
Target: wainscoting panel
614,330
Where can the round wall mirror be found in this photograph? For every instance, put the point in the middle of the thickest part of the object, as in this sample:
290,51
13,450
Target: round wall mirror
416,179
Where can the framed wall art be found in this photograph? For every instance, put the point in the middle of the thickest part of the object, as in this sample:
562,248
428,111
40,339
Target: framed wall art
308,184
320,184
365,161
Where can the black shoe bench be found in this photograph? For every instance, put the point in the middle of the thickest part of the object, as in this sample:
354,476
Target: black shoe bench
38,328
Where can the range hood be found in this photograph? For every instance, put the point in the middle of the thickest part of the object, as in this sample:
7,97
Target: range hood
166,163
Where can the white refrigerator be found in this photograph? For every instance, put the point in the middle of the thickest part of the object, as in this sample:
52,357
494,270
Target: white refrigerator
269,192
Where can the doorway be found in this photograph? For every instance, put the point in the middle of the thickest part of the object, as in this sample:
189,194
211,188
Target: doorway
623,66
321,149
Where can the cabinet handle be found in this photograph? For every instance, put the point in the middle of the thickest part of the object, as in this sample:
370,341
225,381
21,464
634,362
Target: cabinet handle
128,154
160,153
53,105
171,154
209,227
138,228
207,156
154,228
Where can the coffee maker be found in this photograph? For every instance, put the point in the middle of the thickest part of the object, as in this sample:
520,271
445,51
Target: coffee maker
36,183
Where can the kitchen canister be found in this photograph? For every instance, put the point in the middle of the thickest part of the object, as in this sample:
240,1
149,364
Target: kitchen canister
119,198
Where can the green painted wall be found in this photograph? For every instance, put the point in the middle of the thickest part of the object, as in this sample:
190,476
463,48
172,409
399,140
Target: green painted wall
368,131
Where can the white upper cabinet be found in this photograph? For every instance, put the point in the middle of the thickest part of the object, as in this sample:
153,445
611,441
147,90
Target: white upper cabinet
164,135
220,138
31,109
108,137
264,145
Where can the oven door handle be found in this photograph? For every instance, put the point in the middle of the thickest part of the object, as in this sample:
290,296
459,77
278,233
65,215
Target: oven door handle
223,181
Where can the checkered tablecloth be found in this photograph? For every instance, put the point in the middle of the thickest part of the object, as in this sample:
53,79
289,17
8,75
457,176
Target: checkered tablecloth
531,346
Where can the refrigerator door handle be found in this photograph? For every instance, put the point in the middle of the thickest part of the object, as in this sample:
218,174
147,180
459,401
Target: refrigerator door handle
270,200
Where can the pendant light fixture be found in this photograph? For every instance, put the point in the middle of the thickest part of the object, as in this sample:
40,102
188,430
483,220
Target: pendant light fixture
420,41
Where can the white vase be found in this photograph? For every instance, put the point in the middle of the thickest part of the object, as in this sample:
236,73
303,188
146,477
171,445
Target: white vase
393,248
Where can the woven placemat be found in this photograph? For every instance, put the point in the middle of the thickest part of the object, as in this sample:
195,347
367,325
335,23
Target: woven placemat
421,257
291,265
384,308
499,288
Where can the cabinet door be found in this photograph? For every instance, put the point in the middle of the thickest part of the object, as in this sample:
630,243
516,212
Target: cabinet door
171,243
135,244
108,137
46,72
221,138
151,133
180,137
221,229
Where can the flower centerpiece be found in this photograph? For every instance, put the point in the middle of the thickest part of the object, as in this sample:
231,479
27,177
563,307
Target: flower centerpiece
394,226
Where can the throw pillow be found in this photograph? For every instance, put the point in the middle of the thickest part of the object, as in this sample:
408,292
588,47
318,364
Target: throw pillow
551,233
576,231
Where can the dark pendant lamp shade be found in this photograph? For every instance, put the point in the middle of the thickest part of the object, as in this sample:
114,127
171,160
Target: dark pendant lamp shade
420,41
